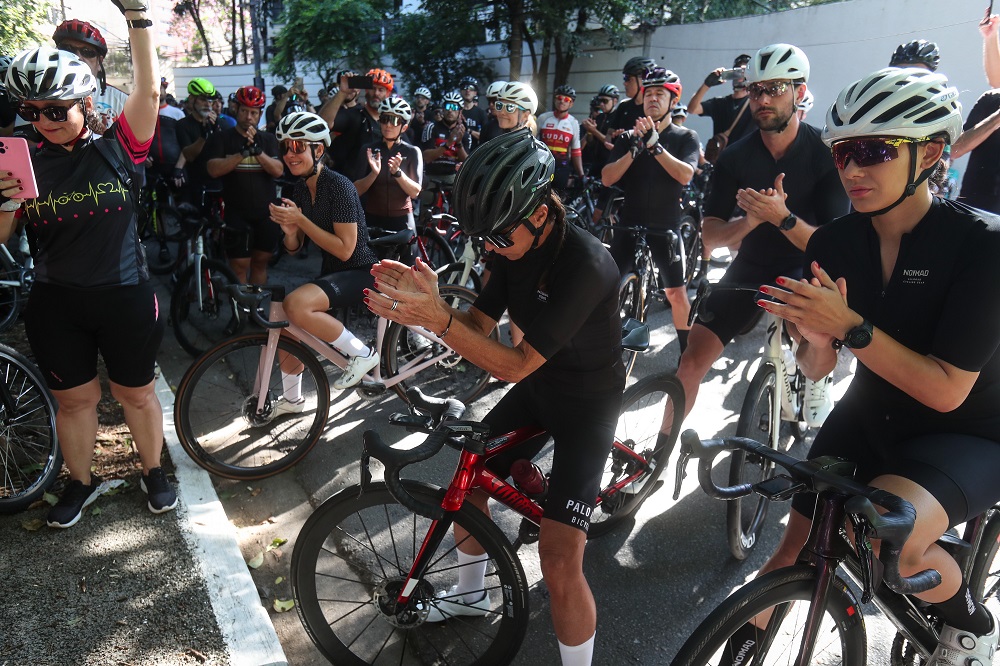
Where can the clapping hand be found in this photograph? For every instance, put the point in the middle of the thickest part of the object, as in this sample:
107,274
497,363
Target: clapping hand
287,216
375,161
767,204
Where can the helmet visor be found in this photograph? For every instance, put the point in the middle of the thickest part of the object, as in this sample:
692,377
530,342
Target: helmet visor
867,151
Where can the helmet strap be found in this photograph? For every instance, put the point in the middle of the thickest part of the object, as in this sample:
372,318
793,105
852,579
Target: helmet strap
102,77
316,162
912,184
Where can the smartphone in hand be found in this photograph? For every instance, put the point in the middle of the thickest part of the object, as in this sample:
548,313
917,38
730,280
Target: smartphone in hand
15,158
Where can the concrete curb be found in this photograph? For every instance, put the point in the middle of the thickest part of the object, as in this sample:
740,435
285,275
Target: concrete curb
246,628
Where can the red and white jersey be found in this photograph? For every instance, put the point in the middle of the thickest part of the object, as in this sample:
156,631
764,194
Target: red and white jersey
561,135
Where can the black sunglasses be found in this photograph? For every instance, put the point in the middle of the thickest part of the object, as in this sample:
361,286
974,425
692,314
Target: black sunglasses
295,146
502,239
388,119
56,114
82,51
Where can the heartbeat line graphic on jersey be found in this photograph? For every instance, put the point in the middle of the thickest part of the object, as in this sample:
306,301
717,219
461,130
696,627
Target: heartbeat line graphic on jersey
95,191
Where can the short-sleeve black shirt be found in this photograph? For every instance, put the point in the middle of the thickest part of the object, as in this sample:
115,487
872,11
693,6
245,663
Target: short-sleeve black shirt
354,127
723,110
625,115
247,189
385,197
336,202
572,320
652,196
436,136
475,120
188,131
981,183
943,299
811,183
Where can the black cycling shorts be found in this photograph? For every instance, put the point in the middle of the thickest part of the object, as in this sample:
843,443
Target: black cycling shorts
68,327
243,236
958,470
667,252
345,288
583,430
732,311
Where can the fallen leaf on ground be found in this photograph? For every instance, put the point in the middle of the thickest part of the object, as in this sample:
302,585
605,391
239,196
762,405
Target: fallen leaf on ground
277,542
33,525
256,561
283,606
277,581
255,492
50,498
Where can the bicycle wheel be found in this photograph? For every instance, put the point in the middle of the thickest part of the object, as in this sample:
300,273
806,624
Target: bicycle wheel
452,275
450,377
631,303
759,420
352,558
786,594
10,291
984,581
200,323
643,413
433,248
216,413
30,459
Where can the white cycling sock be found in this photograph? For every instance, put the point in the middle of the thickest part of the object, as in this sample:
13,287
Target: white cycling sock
577,655
349,344
471,576
291,386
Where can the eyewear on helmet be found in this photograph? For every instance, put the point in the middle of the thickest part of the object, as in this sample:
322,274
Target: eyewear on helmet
54,113
295,146
84,52
563,98
502,239
509,107
451,106
869,151
389,119
773,89
605,100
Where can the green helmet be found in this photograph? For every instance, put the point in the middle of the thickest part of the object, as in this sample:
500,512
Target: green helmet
201,88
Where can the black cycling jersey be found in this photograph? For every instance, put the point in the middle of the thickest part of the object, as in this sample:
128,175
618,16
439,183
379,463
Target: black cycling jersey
8,108
811,183
436,136
475,120
625,115
189,131
336,202
568,311
723,111
354,127
84,229
981,183
942,299
491,130
652,196
247,189
595,154
385,197
165,149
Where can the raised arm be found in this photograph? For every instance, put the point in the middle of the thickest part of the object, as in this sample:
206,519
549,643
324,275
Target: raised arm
143,104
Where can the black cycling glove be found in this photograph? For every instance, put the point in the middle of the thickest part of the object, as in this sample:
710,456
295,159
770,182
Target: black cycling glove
713,79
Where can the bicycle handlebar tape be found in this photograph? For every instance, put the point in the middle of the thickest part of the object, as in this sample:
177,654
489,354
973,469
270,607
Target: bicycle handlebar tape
395,460
444,409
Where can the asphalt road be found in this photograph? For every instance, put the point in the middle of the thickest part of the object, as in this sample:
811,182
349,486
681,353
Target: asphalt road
654,578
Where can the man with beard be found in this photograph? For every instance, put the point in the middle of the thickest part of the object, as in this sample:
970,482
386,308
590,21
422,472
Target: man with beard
192,133
246,160
421,105
446,144
356,126
784,178
724,110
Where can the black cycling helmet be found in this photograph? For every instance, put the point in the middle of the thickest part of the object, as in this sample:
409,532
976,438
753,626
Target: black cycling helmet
568,91
469,82
917,52
638,66
610,90
502,182
742,60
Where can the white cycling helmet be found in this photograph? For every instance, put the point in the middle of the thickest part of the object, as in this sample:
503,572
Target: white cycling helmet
911,102
44,73
494,89
807,102
396,106
452,97
778,61
304,125
423,92
520,94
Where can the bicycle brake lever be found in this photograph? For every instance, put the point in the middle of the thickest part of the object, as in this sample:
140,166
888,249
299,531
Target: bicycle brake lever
863,548
366,473
681,471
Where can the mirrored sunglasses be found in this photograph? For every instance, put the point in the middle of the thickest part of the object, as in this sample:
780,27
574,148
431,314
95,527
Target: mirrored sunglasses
294,146
54,113
868,151
509,107
83,51
563,98
502,239
388,119
776,89
451,106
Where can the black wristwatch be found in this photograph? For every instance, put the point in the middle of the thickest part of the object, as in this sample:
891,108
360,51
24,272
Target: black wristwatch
858,337
788,222
398,173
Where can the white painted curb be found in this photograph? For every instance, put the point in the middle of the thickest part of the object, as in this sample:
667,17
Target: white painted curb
246,628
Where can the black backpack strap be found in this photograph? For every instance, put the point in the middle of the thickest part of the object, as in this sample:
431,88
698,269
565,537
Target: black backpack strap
117,165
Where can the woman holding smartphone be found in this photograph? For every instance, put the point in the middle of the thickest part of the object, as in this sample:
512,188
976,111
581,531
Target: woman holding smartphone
92,293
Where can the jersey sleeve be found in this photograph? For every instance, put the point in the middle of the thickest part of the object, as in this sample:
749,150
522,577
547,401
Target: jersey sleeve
574,146
135,149
413,166
270,143
722,200
690,149
987,103
620,147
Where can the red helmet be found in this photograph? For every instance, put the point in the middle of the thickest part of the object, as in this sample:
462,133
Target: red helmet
250,96
82,31
381,78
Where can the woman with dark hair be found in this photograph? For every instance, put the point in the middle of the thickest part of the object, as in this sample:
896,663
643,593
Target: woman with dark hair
560,286
92,292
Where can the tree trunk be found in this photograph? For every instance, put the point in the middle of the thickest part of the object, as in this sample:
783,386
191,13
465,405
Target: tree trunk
236,48
201,31
515,44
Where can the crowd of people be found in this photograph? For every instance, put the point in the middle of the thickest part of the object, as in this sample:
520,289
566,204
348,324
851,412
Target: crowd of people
842,227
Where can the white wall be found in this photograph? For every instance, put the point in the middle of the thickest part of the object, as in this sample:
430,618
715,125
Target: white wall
227,79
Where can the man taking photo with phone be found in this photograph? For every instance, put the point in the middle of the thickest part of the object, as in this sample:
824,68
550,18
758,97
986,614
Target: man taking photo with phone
357,126
729,112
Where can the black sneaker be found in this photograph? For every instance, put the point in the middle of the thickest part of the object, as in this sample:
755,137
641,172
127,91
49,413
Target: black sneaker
74,500
162,497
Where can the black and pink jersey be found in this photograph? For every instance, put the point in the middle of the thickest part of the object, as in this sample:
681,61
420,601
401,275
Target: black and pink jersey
84,222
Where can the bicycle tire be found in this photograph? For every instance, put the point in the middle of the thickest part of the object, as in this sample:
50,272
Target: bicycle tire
353,554
451,377
30,459
433,249
199,326
791,589
638,427
10,294
984,579
745,516
631,303
215,410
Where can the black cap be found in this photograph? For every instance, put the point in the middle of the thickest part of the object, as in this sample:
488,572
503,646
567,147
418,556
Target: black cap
278,90
741,59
